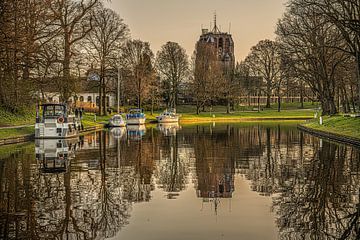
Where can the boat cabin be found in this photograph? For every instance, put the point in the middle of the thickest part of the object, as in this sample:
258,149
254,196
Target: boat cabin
55,121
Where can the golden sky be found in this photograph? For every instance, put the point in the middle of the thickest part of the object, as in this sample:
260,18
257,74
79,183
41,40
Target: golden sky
159,21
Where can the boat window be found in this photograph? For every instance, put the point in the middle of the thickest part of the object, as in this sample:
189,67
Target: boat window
50,111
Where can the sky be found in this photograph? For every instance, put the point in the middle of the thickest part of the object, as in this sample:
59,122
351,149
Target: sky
160,21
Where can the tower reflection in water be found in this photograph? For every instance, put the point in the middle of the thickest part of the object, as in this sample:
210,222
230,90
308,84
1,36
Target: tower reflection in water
86,189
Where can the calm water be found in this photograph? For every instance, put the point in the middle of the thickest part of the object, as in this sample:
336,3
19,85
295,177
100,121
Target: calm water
200,182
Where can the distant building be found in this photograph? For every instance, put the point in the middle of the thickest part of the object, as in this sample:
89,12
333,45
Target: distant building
87,96
222,43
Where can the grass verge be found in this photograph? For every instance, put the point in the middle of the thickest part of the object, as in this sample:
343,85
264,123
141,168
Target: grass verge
12,119
345,126
16,132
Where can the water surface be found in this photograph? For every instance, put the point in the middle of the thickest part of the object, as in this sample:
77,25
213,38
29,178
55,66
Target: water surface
237,181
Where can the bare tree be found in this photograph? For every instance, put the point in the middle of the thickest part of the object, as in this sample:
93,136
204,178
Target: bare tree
104,43
306,37
22,32
73,20
173,65
265,60
137,59
345,15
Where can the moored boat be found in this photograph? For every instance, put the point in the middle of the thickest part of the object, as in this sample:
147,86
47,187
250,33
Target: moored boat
117,121
135,116
168,116
54,121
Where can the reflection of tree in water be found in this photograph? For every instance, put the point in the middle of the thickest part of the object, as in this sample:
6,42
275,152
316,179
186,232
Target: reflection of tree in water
315,186
92,200
321,199
173,167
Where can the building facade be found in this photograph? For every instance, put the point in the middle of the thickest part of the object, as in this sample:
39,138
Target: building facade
222,43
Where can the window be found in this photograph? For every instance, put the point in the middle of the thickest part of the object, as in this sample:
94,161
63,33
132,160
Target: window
53,110
89,99
81,98
97,101
107,101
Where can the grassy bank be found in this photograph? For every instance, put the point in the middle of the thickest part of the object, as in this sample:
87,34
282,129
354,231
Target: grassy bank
345,126
16,132
291,111
12,119
188,115
249,116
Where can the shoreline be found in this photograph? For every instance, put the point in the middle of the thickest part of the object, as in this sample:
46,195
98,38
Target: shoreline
31,137
340,138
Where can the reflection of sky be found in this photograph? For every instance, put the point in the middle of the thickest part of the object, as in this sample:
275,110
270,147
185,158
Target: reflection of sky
188,217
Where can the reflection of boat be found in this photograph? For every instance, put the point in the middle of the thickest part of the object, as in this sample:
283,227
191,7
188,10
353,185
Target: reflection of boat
135,117
168,116
55,122
54,154
136,132
168,129
117,121
118,132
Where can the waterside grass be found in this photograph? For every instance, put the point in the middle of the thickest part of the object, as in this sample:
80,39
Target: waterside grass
340,125
16,132
15,119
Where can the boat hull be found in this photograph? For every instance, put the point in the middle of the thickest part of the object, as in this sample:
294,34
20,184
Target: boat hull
55,131
135,121
162,119
114,125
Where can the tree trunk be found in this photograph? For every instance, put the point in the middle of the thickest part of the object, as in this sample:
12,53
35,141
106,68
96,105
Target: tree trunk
358,77
328,106
152,105
228,106
66,68
302,95
105,100
268,97
100,97
268,94
352,98
279,100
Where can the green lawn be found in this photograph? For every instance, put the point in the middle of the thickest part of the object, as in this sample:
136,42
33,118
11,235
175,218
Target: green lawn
11,119
16,132
284,106
347,126
188,115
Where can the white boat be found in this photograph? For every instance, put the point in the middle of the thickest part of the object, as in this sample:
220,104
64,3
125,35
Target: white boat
135,117
117,121
54,121
168,117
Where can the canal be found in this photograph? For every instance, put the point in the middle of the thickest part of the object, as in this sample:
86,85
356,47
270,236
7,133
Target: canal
201,182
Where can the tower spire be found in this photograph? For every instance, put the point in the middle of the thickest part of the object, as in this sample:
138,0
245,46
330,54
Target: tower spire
215,29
